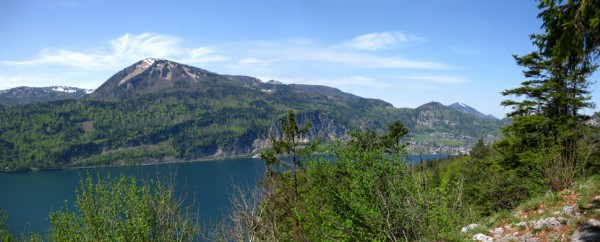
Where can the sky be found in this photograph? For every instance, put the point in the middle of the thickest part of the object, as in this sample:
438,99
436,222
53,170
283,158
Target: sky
405,52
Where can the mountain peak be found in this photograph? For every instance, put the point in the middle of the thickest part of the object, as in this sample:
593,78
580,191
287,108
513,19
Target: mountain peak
462,107
152,75
430,105
151,60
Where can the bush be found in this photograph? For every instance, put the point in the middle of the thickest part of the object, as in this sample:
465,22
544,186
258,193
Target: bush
120,209
363,189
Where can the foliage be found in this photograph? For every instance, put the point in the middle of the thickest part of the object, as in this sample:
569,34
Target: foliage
362,189
120,209
573,28
290,144
4,234
541,146
488,186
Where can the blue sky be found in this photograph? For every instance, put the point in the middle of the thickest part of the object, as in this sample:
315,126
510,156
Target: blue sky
404,52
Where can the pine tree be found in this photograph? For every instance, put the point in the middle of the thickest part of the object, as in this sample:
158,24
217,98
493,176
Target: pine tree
547,107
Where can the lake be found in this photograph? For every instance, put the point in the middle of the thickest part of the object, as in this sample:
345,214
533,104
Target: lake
29,197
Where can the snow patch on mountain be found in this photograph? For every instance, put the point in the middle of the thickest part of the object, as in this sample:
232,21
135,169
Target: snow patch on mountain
462,107
190,73
144,64
67,89
63,89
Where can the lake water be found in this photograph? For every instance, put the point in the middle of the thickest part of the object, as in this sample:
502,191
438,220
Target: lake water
29,197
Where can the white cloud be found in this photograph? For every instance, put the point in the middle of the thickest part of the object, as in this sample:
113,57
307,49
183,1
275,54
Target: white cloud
333,82
378,41
130,48
144,45
121,52
299,52
373,61
292,57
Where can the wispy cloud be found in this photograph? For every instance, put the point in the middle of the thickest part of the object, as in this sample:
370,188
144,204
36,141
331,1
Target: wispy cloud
374,61
122,51
292,57
277,53
130,48
378,41
334,82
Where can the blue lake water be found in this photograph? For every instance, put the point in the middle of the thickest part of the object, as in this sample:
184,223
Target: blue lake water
29,197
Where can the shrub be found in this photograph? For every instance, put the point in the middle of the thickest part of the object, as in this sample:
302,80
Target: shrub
120,209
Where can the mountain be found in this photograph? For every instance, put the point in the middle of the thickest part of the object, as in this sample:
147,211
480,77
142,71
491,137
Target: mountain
467,109
28,95
162,111
155,75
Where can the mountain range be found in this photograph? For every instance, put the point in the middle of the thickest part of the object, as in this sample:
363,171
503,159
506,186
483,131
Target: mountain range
158,110
28,95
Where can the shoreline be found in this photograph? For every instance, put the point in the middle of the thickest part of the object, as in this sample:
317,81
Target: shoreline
168,161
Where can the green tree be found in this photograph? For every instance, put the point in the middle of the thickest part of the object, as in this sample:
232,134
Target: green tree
361,189
546,111
120,209
572,28
292,144
480,150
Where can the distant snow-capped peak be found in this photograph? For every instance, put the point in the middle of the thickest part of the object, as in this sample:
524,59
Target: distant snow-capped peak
67,89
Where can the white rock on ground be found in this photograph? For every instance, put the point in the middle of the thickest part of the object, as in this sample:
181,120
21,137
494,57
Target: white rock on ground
498,230
572,211
547,223
468,227
482,237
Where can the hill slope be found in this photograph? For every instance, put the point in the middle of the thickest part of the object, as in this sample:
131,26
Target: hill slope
159,111
569,215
